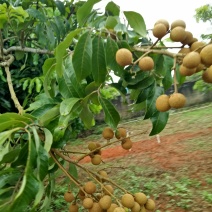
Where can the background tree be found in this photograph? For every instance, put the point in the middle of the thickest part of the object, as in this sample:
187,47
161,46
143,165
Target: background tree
56,61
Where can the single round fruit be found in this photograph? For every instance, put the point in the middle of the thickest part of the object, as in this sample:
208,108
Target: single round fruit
126,143
188,39
150,204
197,46
68,196
103,174
107,133
177,23
146,63
90,187
112,207
193,40
105,202
73,208
177,100
163,21
96,159
200,67
184,50
92,146
206,55
121,133
178,34
124,57
140,198
87,203
119,209
162,103
143,209
108,189
159,30
207,75
192,60
127,200
136,207
184,71
96,208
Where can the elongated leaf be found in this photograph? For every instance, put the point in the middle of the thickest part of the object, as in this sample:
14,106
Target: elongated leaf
111,49
14,116
159,121
112,116
84,11
111,22
133,79
11,124
99,70
61,50
10,156
136,21
5,135
48,139
112,9
4,150
159,65
87,116
143,84
73,171
67,105
82,58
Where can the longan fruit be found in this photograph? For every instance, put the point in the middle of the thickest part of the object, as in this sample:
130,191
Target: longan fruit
192,60
105,202
136,207
206,55
177,100
68,196
184,71
96,208
96,159
126,143
108,189
188,39
146,63
87,203
119,209
89,187
103,174
159,30
163,21
207,75
162,103
178,34
184,50
200,67
124,57
143,209
73,208
140,198
150,204
112,207
127,200
121,133
92,146
197,46
108,133
177,23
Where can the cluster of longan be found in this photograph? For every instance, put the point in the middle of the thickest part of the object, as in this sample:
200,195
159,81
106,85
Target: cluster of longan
100,198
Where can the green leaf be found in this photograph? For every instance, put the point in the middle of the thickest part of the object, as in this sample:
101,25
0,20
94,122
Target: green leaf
5,135
87,116
67,105
112,9
48,139
99,70
84,11
159,121
111,49
143,84
111,22
11,124
10,116
168,79
19,55
136,21
73,171
159,69
135,78
61,50
82,58
112,116
61,7
10,156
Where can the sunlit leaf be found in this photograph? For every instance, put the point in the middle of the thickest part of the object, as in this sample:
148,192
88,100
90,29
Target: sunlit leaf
67,105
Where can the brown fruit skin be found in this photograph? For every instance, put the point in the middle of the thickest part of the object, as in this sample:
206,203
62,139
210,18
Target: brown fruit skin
184,71
207,75
127,200
107,133
90,187
178,22
112,207
146,63
87,203
163,21
121,133
96,159
184,50
177,100
162,103
73,208
119,209
188,39
143,209
178,34
96,208
200,67
150,204
140,198
136,208
197,45
159,30
92,146
127,144
206,55
105,202
68,196
108,189
192,60
124,57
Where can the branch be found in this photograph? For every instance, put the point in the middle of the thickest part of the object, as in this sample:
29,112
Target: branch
27,49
